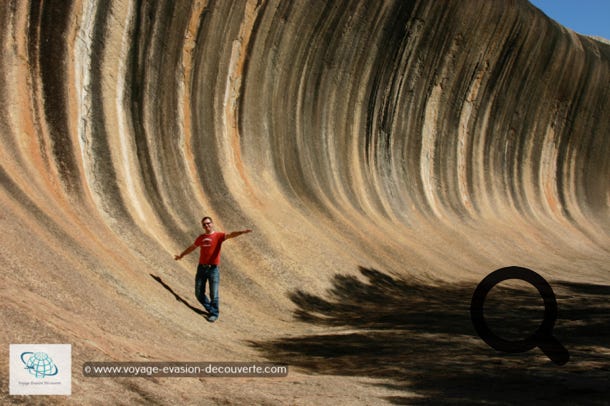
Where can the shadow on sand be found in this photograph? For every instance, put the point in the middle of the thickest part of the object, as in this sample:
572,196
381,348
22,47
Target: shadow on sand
419,339
178,297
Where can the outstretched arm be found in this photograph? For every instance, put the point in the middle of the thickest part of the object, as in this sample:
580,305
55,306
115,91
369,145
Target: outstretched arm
186,252
234,234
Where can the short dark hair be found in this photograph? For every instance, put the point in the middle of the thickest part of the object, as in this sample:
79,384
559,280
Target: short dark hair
207,218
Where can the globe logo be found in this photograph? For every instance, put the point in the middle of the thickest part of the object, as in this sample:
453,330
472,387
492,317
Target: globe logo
39,364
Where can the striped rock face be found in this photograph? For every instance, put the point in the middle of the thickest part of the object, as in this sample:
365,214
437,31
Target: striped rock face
387,154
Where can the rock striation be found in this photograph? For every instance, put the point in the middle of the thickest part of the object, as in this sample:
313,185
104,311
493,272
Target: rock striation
433,141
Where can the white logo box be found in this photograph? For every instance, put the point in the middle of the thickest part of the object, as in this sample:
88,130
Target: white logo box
40,369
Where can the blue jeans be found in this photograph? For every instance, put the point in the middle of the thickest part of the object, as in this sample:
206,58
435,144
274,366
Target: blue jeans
208,274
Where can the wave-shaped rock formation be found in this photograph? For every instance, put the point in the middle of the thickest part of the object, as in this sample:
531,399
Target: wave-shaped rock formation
430,141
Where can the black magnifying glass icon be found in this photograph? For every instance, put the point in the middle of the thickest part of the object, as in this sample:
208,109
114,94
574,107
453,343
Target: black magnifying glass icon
542,337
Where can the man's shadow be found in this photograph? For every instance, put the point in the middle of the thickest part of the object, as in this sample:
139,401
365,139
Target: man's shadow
177,296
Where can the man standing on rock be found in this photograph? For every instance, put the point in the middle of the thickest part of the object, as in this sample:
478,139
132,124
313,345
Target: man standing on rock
210,243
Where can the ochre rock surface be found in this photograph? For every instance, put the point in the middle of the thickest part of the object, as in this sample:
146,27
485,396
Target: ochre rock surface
387,154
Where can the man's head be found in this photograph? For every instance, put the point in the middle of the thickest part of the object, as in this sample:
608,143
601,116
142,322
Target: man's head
207,224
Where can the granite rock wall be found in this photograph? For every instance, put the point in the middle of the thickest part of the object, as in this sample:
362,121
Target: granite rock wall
432,140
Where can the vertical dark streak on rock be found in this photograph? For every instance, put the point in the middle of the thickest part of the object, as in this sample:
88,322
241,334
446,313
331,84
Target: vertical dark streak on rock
52,62
106,181
248,60
33,46
138,78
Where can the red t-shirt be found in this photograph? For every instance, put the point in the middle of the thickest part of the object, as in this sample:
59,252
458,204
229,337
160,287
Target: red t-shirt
210,247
